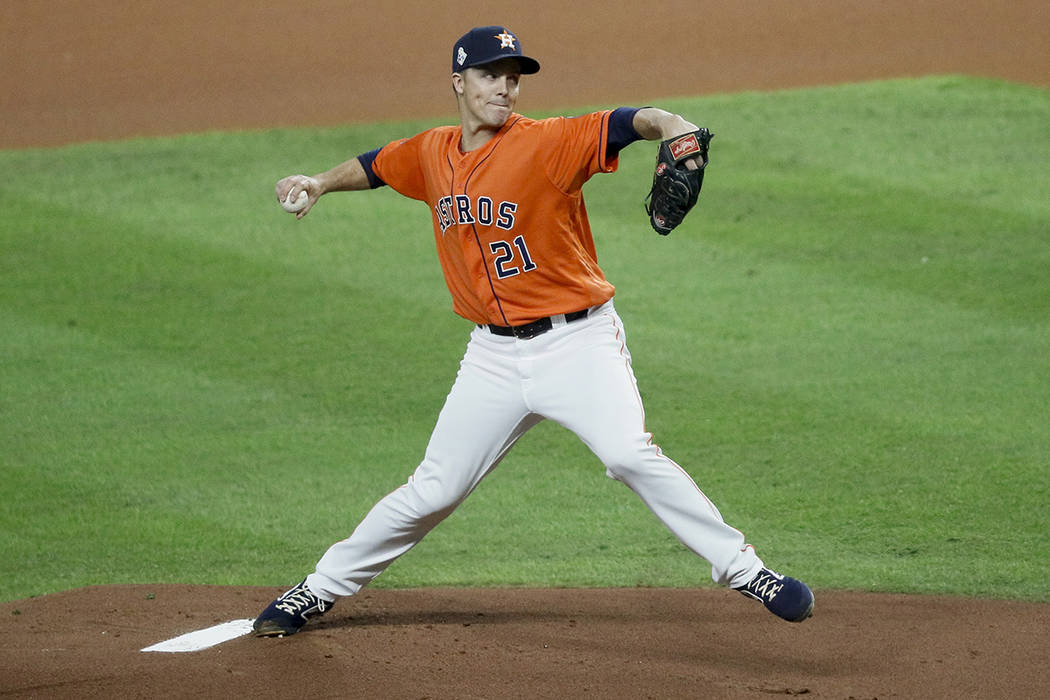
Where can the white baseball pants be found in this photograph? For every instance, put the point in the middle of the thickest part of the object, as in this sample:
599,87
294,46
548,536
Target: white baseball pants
577,374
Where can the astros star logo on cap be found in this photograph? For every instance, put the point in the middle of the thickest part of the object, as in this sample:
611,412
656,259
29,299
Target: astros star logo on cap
506,40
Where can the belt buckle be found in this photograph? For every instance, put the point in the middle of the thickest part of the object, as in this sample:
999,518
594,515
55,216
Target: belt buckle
529,331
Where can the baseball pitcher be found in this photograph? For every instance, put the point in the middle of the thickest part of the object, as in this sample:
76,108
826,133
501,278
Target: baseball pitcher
515,245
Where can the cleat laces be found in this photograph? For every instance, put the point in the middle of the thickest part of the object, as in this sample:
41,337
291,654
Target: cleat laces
764,587
300,602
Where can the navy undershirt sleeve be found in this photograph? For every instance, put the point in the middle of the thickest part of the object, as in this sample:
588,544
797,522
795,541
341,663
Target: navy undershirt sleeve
621,130
366,160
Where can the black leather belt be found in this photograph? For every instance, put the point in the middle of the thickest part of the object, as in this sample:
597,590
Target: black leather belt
531,330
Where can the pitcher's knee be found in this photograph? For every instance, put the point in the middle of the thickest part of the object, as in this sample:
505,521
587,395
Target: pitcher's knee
428,503
431,498
626,461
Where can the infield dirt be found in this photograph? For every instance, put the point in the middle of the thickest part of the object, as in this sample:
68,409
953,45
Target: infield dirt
524,643
75,72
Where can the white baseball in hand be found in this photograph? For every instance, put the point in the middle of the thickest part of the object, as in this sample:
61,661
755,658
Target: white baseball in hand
297,205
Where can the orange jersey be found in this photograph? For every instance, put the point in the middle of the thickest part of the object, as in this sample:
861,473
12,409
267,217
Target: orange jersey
509,218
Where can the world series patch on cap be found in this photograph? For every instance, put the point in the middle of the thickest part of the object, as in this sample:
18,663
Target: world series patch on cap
483,45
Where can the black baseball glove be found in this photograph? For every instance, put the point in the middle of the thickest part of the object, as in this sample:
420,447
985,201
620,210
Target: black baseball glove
675,187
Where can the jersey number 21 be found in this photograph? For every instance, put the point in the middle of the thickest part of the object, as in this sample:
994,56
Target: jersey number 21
506,254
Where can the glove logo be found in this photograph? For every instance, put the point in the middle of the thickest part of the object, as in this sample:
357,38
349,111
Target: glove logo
685,146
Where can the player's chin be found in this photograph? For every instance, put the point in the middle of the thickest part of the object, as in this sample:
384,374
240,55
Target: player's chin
498,115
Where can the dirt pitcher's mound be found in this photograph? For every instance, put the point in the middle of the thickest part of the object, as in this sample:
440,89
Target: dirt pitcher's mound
524,643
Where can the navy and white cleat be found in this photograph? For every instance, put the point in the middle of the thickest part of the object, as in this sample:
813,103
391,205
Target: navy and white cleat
290,612
783,596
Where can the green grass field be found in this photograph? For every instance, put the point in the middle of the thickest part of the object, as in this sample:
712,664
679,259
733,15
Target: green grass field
847,345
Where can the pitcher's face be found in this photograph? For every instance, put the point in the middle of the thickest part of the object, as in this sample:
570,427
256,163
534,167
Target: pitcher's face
488,93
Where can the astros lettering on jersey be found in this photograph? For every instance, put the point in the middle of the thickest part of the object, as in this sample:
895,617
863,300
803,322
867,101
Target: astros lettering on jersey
514,241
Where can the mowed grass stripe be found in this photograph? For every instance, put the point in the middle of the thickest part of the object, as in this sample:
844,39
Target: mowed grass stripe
845,345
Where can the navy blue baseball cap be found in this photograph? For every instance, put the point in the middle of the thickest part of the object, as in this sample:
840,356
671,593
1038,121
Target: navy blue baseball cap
483,45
